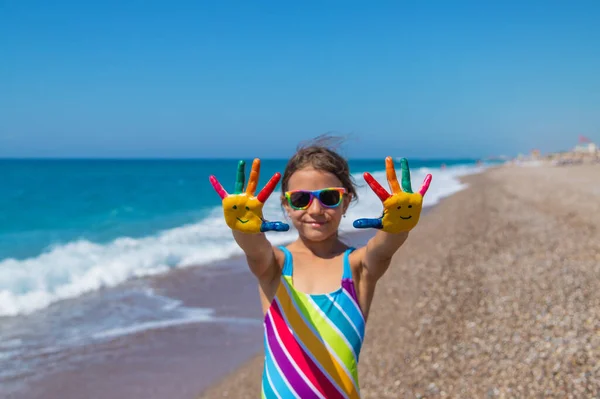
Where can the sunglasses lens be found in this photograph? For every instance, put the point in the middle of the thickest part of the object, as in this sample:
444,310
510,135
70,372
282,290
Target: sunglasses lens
299,199
330,197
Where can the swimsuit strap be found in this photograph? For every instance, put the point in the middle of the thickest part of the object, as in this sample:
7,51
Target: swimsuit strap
288,265
347,269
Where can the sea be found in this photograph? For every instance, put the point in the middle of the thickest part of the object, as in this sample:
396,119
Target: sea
80,240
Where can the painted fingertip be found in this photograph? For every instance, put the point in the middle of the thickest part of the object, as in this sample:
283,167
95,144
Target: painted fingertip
284,227
425,185
360,224
366,223
274,226
278,226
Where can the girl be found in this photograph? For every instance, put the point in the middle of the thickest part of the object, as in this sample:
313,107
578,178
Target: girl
316,292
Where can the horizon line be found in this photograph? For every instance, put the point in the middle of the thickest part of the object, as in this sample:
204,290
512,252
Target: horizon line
229,158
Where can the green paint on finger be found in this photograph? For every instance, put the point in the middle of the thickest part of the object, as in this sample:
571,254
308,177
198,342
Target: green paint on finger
406,186
240,178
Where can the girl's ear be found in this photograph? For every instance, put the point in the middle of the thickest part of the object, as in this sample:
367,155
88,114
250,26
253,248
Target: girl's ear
347,200
285,207
284,203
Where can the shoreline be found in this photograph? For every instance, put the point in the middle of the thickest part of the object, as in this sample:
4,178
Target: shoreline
198,353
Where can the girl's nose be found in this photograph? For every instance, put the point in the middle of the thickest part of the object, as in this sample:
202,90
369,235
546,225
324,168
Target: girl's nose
315,208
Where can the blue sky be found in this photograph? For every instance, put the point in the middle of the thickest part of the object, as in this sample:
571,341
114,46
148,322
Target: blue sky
252,78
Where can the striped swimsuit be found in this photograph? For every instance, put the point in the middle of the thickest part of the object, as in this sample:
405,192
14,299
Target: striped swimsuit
312,342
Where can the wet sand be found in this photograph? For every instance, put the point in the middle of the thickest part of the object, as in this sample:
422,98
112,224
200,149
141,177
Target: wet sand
495,294
175,362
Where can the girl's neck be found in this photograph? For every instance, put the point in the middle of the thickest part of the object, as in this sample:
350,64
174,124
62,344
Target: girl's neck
327,248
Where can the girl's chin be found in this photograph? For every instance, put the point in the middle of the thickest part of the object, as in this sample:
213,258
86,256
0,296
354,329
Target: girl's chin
318,233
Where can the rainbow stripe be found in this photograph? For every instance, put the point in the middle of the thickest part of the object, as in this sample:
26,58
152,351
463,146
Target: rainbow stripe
312,342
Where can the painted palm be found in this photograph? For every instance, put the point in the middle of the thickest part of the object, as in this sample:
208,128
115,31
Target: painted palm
242,209
401,208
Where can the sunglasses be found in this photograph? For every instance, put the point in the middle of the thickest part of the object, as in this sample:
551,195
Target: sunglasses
328,197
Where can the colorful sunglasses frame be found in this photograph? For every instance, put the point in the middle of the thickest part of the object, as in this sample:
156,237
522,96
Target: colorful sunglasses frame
315,194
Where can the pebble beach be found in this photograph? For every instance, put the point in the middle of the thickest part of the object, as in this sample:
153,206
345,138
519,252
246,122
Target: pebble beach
495,294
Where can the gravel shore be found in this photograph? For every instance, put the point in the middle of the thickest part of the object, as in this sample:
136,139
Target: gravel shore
496,294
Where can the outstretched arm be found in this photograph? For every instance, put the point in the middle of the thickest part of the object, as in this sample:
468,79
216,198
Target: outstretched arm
259,253
243,214
379,252
401,212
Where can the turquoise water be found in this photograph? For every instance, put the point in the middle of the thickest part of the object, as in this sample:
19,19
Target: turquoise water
46,203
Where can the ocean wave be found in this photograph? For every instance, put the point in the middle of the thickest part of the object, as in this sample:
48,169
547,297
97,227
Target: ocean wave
78,267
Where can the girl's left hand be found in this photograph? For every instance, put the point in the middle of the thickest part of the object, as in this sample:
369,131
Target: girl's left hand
402,208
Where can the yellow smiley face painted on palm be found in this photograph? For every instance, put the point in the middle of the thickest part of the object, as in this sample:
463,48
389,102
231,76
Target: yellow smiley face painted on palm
402,208
243,212
402,212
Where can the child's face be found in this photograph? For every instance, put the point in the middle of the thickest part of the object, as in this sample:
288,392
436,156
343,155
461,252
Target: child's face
317,222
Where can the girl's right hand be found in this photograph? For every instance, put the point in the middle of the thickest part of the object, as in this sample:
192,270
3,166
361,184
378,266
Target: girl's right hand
243,210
